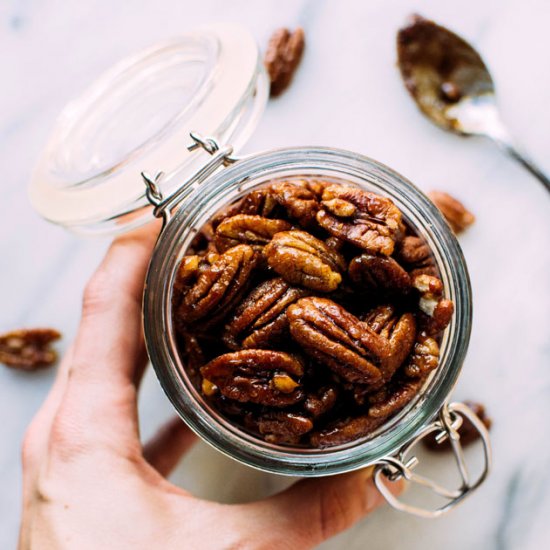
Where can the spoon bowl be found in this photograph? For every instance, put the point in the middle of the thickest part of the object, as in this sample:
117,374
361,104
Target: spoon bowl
452,86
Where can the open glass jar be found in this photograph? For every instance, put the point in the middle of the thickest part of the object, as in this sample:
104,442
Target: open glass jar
88,180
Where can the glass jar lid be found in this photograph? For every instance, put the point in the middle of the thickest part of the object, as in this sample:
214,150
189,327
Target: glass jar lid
137,117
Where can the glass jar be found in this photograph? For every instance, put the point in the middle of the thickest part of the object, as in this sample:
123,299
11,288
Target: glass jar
189,192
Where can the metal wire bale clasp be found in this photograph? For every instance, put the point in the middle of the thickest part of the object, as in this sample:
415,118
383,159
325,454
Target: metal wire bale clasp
401,465
221,156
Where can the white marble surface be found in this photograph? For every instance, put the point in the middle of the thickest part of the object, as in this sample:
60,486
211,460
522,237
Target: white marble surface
346,94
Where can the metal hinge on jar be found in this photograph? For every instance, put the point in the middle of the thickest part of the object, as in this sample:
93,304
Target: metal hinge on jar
401,465
163,206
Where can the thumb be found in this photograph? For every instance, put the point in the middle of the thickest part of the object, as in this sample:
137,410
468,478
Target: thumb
314,510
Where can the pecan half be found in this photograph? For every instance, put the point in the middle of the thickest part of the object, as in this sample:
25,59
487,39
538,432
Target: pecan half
344,431
282,57
255,231
300,202
424,357
28,349
321,401
280,426
219,286
456,214
270,378
339,340
369,221
415,255
435,312
467,431
304,260
260,319
392,399
399,331
379,273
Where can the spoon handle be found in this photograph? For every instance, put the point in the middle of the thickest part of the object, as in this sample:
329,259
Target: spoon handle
511,150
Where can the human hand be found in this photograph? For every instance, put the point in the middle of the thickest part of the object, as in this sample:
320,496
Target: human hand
89,483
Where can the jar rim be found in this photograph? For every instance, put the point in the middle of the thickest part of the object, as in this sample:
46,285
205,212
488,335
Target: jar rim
256,170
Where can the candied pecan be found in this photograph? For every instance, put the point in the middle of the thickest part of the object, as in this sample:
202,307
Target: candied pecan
456,214
392,399
379,273
28,349
260,202
415,255
264,377
282,57
300,203
219,286
321,401
399,331
344,431
424,357
280,426
369,221
440,318
339,340
304,260
260,319
467,431
435,312
255,231
192,352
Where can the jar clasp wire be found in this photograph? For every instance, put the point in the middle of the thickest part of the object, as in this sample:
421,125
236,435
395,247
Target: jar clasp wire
400,465
163,206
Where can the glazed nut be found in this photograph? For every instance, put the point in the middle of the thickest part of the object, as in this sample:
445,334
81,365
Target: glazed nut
415,255
391,400
337,339
423,359
304,260
299,201
247,376
255,231
260,320
28,349
378,273
282,57
375,225
284,383
456,214
220,285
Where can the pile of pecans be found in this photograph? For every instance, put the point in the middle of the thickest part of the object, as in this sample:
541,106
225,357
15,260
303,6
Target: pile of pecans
308,312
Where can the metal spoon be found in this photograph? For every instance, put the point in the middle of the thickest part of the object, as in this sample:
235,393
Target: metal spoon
452,86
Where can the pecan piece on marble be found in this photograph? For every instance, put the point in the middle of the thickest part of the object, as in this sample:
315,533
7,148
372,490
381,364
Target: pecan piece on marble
282,57
344,431
337,339
219,286
394,397
264,377
255,231
398,330
456,214
467,431
260,320
303,260
424,357
280,426
415,255
379,273
28,349
321,401
299,201
369,221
